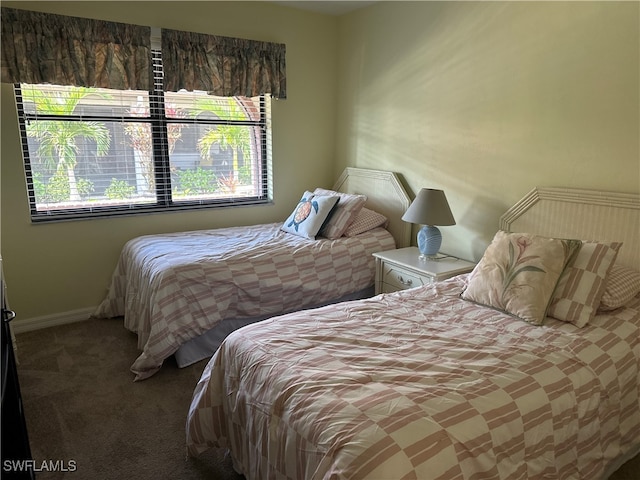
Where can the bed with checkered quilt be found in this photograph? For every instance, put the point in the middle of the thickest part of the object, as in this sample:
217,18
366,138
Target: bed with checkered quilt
172,288
422,384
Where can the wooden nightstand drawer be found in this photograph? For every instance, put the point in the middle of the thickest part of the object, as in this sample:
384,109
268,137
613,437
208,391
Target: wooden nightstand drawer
403,268
400,279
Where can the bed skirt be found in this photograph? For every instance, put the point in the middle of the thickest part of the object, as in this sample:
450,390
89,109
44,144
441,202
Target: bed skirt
205,345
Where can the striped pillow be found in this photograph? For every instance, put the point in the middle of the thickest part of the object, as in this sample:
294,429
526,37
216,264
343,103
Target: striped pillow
623,283
345,212
580,289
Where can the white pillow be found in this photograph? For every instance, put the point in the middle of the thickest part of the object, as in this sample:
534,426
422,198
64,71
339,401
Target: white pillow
310,213
519,272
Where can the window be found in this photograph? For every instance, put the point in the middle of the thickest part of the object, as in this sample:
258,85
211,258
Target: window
100,152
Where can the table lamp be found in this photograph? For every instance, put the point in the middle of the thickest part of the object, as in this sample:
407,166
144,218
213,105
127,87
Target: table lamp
430,208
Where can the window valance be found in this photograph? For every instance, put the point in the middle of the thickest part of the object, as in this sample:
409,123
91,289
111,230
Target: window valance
46,48
223,66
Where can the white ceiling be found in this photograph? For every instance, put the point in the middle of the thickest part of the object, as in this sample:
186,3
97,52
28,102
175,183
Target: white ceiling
326,7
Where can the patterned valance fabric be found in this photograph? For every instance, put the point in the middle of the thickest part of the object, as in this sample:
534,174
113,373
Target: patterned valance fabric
222,66
45,48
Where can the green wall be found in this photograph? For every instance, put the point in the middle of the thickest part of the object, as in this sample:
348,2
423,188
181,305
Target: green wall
487,100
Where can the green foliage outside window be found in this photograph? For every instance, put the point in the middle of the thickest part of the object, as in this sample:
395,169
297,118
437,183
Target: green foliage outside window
196,181
119,190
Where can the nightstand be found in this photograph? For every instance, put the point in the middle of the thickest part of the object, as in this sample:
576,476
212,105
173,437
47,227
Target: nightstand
402,268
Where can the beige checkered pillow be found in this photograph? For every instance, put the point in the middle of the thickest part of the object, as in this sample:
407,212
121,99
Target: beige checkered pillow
345,212
365,221
623,283
582,285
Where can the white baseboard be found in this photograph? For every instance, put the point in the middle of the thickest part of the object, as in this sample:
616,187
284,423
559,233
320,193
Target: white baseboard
21,325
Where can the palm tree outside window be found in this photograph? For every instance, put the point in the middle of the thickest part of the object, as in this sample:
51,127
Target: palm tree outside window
95,151
124,123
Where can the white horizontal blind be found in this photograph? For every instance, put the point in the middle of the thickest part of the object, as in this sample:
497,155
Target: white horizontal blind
92,151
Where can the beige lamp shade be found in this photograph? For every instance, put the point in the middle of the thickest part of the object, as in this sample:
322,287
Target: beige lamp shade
430,207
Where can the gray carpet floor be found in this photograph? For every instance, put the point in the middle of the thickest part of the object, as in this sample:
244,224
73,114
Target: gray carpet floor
82,405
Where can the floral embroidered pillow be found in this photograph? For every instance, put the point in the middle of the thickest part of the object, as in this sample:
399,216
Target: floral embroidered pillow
312,211
518,274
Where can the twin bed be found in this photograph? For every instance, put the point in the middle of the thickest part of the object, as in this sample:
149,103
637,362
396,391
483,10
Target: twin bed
528,367
496,374
183,293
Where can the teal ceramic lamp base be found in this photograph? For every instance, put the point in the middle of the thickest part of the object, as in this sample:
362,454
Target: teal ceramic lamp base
429,241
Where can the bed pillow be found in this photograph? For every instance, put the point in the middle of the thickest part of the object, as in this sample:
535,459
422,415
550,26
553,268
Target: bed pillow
365,221
310,214
582,284
519,272
623,283
345,213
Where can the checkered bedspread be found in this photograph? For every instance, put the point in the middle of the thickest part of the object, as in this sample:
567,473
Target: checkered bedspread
173,287
421,384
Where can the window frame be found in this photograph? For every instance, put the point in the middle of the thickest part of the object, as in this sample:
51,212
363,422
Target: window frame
161,159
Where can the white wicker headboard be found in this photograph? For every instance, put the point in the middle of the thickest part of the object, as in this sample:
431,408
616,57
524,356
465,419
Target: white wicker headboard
385,194
580,214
